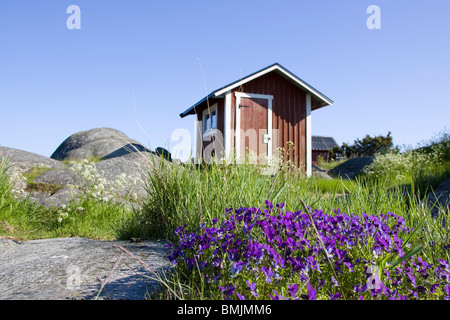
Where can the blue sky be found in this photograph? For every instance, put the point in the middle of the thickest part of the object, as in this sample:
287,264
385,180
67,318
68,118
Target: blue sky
136,65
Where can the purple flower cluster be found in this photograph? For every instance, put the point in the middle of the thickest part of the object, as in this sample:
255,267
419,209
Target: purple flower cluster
277,254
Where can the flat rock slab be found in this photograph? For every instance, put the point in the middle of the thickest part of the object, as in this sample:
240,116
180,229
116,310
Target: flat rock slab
70,268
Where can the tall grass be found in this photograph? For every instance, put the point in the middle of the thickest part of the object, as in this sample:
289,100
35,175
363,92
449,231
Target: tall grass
193,195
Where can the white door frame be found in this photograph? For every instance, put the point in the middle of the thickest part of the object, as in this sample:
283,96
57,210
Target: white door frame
237,128
308,137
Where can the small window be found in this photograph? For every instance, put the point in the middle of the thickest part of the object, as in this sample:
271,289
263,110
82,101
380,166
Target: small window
214,119
210,120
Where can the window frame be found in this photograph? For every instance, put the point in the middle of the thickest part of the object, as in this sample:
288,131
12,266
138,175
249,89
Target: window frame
207,113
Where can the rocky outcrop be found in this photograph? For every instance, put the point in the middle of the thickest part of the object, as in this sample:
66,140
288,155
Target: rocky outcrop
70,268
22,161
320,173
101,143
351,168
19,162
63,176
121,159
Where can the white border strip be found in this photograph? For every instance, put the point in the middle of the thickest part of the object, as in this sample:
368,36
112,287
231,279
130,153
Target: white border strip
308,137
227,126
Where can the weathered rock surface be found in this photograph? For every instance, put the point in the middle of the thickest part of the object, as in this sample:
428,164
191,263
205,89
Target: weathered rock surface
69,268
439,200
61,197
62,177
103,143
320,173
136,167
351,168
22,161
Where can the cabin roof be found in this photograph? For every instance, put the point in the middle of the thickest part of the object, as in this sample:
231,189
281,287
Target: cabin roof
324,100
322,143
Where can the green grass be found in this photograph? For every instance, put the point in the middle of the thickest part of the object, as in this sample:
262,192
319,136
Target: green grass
22,219
328,165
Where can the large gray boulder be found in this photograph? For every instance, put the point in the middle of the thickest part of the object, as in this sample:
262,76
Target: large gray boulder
123,170
60,177
136,167
22,161
320,173
132,170
19,162
351,168
103,143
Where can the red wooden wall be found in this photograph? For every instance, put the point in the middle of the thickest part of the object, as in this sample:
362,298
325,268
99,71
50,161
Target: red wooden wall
288,112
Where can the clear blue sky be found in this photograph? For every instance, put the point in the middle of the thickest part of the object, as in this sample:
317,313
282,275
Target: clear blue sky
55,81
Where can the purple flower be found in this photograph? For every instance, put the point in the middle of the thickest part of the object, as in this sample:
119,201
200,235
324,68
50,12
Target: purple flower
237,267
255,250
412,278
240,296
293,290
444,264
276,296
268,273
335,296
349,266
335,282
433,287
252,287
313,264
228,290
447,291
312,293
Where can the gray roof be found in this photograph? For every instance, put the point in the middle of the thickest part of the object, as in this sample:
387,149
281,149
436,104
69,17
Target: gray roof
323,143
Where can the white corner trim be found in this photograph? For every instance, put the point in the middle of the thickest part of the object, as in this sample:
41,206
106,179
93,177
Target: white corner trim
308,137
269,99
227,125
198,127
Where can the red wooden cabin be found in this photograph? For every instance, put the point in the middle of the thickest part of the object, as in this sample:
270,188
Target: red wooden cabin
257,114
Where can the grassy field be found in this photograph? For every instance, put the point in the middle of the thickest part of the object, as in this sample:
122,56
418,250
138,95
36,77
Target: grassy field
231,239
